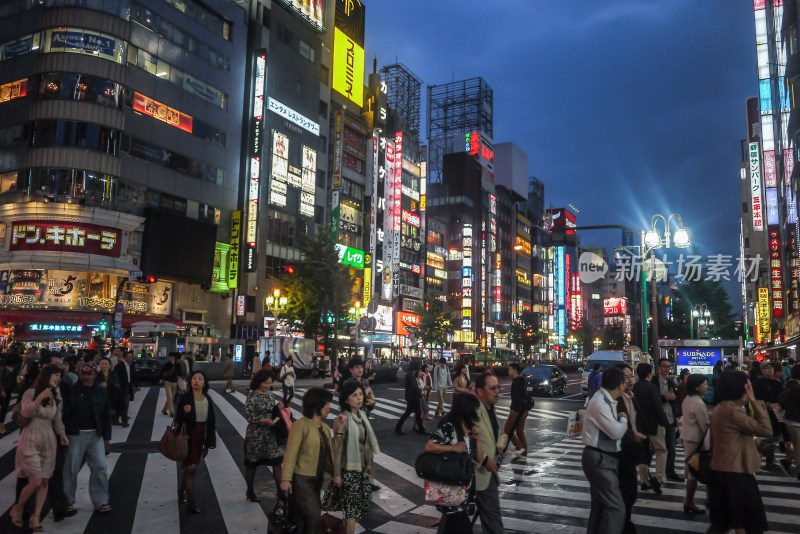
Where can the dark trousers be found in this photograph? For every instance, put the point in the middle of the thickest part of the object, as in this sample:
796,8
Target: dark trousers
305,504
4,402
457,523
628,487
488,502
669,441
288,395
411,407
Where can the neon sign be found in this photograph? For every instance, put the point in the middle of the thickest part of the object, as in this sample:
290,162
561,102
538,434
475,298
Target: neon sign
478,148
41,327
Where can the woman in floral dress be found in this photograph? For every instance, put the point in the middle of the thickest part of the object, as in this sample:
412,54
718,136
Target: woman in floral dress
260,441
36,450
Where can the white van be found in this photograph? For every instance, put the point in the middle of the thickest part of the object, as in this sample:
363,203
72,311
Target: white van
606,359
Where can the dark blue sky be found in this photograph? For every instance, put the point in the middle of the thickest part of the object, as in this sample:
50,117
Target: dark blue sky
625,108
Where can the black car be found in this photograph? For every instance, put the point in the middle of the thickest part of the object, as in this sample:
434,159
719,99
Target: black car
545,379
145,371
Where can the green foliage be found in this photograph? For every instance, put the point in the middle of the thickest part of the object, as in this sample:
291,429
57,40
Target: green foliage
436,322
694,292
611,339
585,336
524,331
310,290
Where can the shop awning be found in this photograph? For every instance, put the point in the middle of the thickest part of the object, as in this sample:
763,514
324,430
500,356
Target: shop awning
68,318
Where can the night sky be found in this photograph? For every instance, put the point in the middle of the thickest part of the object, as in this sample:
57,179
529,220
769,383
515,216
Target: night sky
625,108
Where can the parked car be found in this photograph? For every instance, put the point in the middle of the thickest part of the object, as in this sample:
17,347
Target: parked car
145,371
606,359
545,379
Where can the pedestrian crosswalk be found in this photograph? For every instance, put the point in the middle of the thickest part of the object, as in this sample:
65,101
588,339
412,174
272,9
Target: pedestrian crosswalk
545,493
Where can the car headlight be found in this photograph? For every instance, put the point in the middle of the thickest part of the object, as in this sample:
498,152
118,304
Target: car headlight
545,382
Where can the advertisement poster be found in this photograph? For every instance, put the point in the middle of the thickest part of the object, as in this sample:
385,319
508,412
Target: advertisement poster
699,361
64,288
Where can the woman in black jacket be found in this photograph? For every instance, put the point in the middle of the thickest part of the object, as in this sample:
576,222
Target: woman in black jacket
196,411
521,404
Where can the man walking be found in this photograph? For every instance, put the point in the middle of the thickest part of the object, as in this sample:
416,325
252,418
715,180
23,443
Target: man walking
228,369
521,404
601,435
123,371
651,420
487,494
169,377
356,366
634,446
667,388
413,397
87,419
441,381
287,377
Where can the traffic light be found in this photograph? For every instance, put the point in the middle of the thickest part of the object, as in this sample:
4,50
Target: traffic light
103,325
148,279
286,269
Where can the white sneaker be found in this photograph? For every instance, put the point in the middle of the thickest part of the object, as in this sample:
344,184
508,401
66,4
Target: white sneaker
516,454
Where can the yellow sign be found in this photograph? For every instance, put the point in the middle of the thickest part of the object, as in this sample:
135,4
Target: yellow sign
762,313
348,68
233,253
367,286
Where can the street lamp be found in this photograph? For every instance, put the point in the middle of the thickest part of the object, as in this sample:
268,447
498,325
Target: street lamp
701,313
275,302
597,343
652,240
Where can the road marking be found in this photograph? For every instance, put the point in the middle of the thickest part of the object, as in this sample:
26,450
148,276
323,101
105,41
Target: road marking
399,468
120,434
236,419
160,421
157,507
83,502
240,515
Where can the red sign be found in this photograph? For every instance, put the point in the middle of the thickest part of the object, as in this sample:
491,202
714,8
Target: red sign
410,218
404,320
615,306
416,269
562,218
398,178
66,237
13,90
795,270
162,112
776,272
478,148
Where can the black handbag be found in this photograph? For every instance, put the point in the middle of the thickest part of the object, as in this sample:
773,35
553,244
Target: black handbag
451,468
699,463
279,520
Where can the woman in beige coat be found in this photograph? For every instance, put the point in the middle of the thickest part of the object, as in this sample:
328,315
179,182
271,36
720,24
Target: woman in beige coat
694,425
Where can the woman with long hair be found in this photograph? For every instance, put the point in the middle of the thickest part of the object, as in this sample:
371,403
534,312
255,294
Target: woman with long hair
734,500
353,464
458,432
260,441
460,382
196,411
694,424
36,450
309,455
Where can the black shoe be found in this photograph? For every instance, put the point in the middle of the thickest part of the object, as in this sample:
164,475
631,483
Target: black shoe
181,495
58,516
251,496
375,487
646,486
192,507
424,431
656,485
675,478
786,464
398,431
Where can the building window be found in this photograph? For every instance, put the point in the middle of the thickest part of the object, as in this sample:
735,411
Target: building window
306,51
73,86
323,108
325,75
47,133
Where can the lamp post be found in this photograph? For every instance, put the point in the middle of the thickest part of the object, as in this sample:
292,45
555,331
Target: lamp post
597,343
652,240
276,304
700,311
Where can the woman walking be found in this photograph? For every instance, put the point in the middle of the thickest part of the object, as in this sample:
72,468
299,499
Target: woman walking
353,463
196,411
287,377
694,425
169,377
457,432
260,441
36,450
734,500
309,455
461,382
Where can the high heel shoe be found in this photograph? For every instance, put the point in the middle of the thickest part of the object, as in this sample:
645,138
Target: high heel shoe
16,519
35,528
251,496
182,495
692,510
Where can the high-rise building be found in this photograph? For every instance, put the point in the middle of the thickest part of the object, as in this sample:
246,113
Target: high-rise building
120,137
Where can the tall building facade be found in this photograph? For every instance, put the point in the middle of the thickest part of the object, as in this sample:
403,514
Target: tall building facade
121,129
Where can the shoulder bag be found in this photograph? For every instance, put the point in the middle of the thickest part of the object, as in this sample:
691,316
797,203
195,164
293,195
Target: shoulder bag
452,468
699,462
330,523
174,443
16,416
279,520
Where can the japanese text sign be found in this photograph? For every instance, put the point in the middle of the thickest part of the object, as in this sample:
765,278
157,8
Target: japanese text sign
66,237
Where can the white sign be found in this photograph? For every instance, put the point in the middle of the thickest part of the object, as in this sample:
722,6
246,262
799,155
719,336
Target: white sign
292,116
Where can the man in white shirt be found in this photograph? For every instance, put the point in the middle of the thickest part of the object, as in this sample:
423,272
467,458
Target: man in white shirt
441,381
601,435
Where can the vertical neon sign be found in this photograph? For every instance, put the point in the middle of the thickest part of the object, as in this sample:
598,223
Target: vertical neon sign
254,179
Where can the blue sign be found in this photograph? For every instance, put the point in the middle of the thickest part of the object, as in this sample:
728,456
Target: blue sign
83,41
21,46
791,207
765,96
772,206
559,281
783,93
699,360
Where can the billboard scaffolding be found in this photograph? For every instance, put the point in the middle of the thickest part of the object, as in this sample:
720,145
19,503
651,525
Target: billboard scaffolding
404,96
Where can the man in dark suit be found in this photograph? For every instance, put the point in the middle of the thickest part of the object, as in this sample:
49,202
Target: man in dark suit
651,421
635,448
413,397
124,372
667,390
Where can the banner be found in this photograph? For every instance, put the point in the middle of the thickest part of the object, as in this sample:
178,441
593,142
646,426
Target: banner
66,237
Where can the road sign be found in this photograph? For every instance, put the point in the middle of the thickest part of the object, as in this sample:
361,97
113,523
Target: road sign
117,318
119,307
118,333
134,275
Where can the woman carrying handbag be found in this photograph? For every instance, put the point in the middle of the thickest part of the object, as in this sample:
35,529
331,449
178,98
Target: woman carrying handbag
353,463
694,424
309,455
196,411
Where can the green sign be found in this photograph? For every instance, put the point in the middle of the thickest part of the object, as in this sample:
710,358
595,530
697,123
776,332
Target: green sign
219,276
350,256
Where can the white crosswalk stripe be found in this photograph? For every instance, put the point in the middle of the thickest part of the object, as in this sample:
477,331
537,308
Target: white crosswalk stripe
544,493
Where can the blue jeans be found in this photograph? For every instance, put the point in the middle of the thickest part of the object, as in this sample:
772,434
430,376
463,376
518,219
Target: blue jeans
86,444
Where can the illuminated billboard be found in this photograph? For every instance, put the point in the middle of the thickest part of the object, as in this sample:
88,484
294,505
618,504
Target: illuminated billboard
615,306
755,186
312,11
10,91
348,68
254,160
162,112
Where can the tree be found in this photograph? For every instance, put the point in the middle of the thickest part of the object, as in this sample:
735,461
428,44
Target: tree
524,331
612,338
690,293
435,323
585,336
310,290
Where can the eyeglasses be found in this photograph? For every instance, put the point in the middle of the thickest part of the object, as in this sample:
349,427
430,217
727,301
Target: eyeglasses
493,387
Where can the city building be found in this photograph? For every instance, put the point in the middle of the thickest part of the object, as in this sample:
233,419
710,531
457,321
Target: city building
120,137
